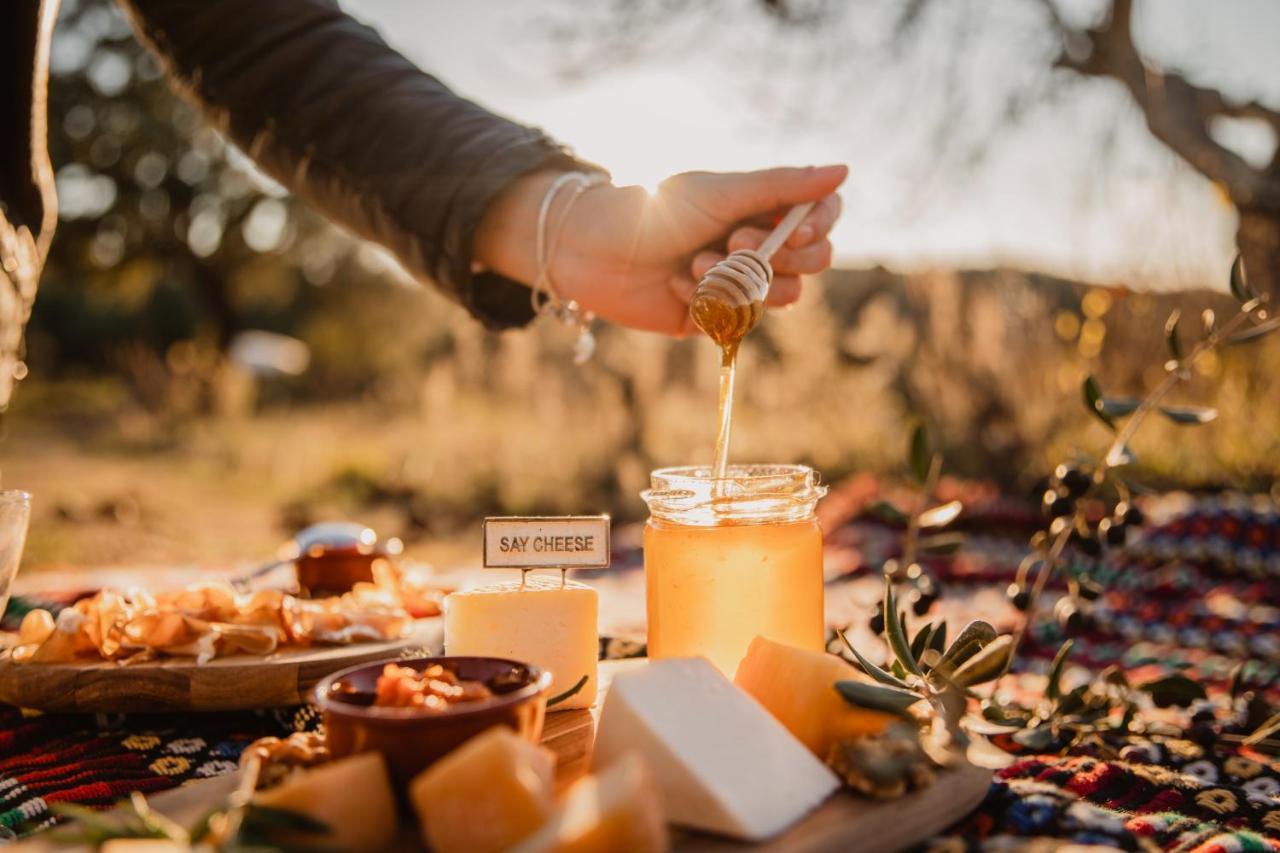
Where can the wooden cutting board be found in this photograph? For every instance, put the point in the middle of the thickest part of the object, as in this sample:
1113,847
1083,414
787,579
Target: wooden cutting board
844,822
223,684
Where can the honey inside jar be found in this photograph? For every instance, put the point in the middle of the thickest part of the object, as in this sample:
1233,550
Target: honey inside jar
727,560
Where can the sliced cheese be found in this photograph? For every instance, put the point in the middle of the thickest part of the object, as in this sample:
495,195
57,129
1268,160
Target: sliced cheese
486,795
722,763
352,796
797,686
618,810
541,622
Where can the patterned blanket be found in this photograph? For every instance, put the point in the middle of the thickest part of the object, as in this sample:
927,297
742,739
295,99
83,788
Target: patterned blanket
1197,594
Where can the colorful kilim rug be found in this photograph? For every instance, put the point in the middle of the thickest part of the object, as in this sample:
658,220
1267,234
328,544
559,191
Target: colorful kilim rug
1196,594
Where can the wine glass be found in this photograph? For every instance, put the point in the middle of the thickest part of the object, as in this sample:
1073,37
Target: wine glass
15,513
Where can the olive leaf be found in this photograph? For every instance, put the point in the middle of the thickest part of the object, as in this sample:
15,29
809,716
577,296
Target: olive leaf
570,693
1173,689
1240,287
920,453
1039,738
1253,333
887,512
1054,686
871,669
1093,402
975,636
1171,336
1072,701
940,516
1192,415
897,633
1118,407
941,543
987,665
938,641
1238,678
877,697
269,818
920,641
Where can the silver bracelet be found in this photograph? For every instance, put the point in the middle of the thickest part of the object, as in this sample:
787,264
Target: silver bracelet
545,299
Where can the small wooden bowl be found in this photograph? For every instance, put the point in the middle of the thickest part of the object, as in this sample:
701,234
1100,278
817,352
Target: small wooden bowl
410,738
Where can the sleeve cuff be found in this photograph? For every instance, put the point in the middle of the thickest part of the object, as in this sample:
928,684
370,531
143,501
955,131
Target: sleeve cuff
496,301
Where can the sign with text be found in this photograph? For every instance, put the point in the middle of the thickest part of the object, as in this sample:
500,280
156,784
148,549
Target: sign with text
547,542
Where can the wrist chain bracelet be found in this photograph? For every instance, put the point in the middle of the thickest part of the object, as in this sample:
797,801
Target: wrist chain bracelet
545,299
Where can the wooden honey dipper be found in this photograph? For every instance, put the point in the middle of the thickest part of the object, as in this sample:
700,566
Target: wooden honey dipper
729,301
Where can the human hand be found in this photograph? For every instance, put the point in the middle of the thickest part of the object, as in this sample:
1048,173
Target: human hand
635,259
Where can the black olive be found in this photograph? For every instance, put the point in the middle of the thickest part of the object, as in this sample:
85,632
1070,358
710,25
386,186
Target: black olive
1134,517
1018,596
877,621
1073,480
1070,618
1090,546
1115,532
1056,506
921,602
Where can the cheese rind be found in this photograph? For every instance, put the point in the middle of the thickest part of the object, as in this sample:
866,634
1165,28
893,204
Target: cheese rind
797,686
352,796
619,809
485,796
541,622
722,763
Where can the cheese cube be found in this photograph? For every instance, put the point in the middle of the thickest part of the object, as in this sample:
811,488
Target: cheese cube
797,686
542,622
486,795
617,810
352,796
722,763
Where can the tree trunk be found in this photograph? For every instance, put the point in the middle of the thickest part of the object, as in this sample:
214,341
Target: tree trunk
1258,238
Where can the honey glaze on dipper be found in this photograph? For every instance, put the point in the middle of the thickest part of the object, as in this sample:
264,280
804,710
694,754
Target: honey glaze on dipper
728,303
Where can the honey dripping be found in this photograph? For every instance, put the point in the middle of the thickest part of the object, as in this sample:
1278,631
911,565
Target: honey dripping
727,304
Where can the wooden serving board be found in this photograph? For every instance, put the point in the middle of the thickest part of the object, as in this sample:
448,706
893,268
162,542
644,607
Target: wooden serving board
232,683
844,822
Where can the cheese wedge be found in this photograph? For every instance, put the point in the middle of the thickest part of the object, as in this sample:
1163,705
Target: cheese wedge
617,810
544,623
722,763
352,796
797,686
486,795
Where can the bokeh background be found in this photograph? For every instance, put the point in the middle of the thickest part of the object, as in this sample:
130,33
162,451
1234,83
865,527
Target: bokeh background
211,365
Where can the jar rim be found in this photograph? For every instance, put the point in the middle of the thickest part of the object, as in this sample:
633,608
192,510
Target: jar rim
749,494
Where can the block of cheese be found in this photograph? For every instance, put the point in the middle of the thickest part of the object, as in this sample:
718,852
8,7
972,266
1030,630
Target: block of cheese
486,795
797,686
352,796
541,622
722,763
619,809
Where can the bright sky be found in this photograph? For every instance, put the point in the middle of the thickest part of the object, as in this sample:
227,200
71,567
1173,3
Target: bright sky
1078,187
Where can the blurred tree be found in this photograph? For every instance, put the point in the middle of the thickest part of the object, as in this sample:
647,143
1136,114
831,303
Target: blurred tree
169,241
932,48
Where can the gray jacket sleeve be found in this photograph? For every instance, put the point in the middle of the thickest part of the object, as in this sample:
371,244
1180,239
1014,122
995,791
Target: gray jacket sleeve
327,108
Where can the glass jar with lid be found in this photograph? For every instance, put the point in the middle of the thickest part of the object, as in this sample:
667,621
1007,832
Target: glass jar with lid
728,559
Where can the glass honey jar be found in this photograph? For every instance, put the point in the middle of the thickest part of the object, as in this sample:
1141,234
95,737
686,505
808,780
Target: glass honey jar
728,559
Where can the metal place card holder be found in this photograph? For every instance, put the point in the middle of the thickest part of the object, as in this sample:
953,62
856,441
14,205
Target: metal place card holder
535,542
